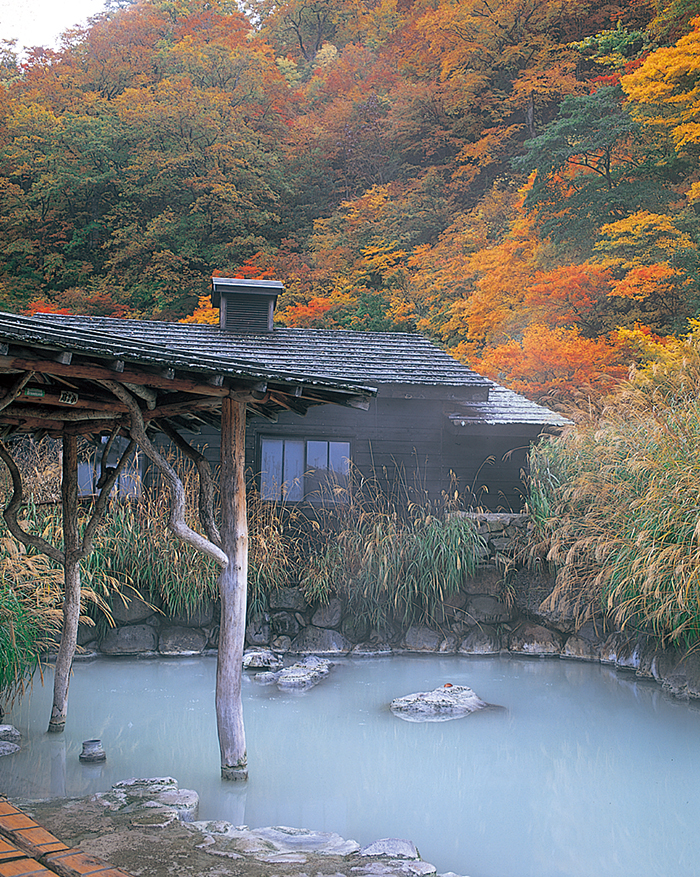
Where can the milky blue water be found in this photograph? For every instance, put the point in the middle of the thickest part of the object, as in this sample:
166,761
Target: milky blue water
586,773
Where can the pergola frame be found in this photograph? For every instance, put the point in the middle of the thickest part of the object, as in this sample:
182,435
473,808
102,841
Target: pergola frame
66,384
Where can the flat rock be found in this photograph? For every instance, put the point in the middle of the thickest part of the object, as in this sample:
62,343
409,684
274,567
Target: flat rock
482,640
371,650
621,650
420,638
134,639
534,639
177,640
261,659
328,615
486,609
439,705
146,838
8,748
287,598
200,617
258,631
129,607
392,847
151,800
9,734
684,680
299,677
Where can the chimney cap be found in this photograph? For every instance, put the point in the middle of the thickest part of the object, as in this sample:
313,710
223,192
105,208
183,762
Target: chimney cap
240,284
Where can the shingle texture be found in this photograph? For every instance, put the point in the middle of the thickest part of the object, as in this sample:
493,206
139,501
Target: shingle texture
354,358
505,407
372,357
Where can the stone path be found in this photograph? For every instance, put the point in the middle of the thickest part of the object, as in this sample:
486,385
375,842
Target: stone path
138,826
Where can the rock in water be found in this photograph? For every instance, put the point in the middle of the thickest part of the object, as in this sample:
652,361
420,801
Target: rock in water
299,677
440,705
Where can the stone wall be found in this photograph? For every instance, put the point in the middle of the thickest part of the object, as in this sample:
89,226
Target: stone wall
492,614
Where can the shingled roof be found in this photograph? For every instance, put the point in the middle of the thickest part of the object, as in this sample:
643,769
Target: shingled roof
503,408
56,374
373,357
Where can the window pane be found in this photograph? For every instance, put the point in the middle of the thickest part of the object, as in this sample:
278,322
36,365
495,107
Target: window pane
271,469
317,455
86,479
339,457
293,487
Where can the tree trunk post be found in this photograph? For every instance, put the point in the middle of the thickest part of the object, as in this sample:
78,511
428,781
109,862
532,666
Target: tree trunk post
71,587
233,584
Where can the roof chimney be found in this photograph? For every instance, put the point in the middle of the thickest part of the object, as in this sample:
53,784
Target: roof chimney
245,305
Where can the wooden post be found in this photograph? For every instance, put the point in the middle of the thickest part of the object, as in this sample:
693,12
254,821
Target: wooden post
71,587
233,585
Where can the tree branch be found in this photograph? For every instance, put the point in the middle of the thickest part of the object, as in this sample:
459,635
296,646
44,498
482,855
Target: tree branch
177,491
206,482
14,505
106,488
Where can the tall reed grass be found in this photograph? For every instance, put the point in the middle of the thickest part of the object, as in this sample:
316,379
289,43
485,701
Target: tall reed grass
616,504
392,556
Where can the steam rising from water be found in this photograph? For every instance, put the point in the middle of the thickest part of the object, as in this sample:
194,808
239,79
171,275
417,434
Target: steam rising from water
586,772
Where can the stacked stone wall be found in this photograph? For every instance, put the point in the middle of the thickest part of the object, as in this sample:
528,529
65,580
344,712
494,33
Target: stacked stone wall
498,610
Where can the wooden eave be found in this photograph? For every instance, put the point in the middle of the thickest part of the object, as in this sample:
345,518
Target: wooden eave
63,385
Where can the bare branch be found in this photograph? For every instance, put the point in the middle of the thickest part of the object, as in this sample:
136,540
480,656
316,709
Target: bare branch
177,491
30,540
15,389
206,481
107,481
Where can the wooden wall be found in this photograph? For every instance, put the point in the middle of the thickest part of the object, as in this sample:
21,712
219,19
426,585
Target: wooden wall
411,436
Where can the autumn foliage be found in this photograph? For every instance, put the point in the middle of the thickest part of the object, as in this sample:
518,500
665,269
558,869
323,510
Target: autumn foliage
517,179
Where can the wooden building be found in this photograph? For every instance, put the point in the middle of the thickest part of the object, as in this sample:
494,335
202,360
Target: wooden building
434,422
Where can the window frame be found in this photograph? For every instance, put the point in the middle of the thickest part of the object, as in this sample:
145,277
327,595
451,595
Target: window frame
312,490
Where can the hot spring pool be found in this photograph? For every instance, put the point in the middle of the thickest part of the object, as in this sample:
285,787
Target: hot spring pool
587,773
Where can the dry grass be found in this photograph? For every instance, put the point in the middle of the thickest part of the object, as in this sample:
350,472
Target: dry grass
617,504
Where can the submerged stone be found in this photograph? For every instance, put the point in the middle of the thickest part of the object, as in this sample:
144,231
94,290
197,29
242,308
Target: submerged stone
439,705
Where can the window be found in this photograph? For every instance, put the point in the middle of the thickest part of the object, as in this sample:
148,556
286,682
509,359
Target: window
129,482
296,470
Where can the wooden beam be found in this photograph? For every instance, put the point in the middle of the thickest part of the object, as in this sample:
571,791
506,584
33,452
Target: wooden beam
60,415
181,408
100,373
79,403
289,403
146,393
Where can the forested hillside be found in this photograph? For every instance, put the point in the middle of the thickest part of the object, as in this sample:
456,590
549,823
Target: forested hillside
516,178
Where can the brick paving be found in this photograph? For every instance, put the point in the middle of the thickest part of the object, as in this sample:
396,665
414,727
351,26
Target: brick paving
28,850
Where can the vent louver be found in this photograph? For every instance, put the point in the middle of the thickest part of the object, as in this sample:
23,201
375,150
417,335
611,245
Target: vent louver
245,305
